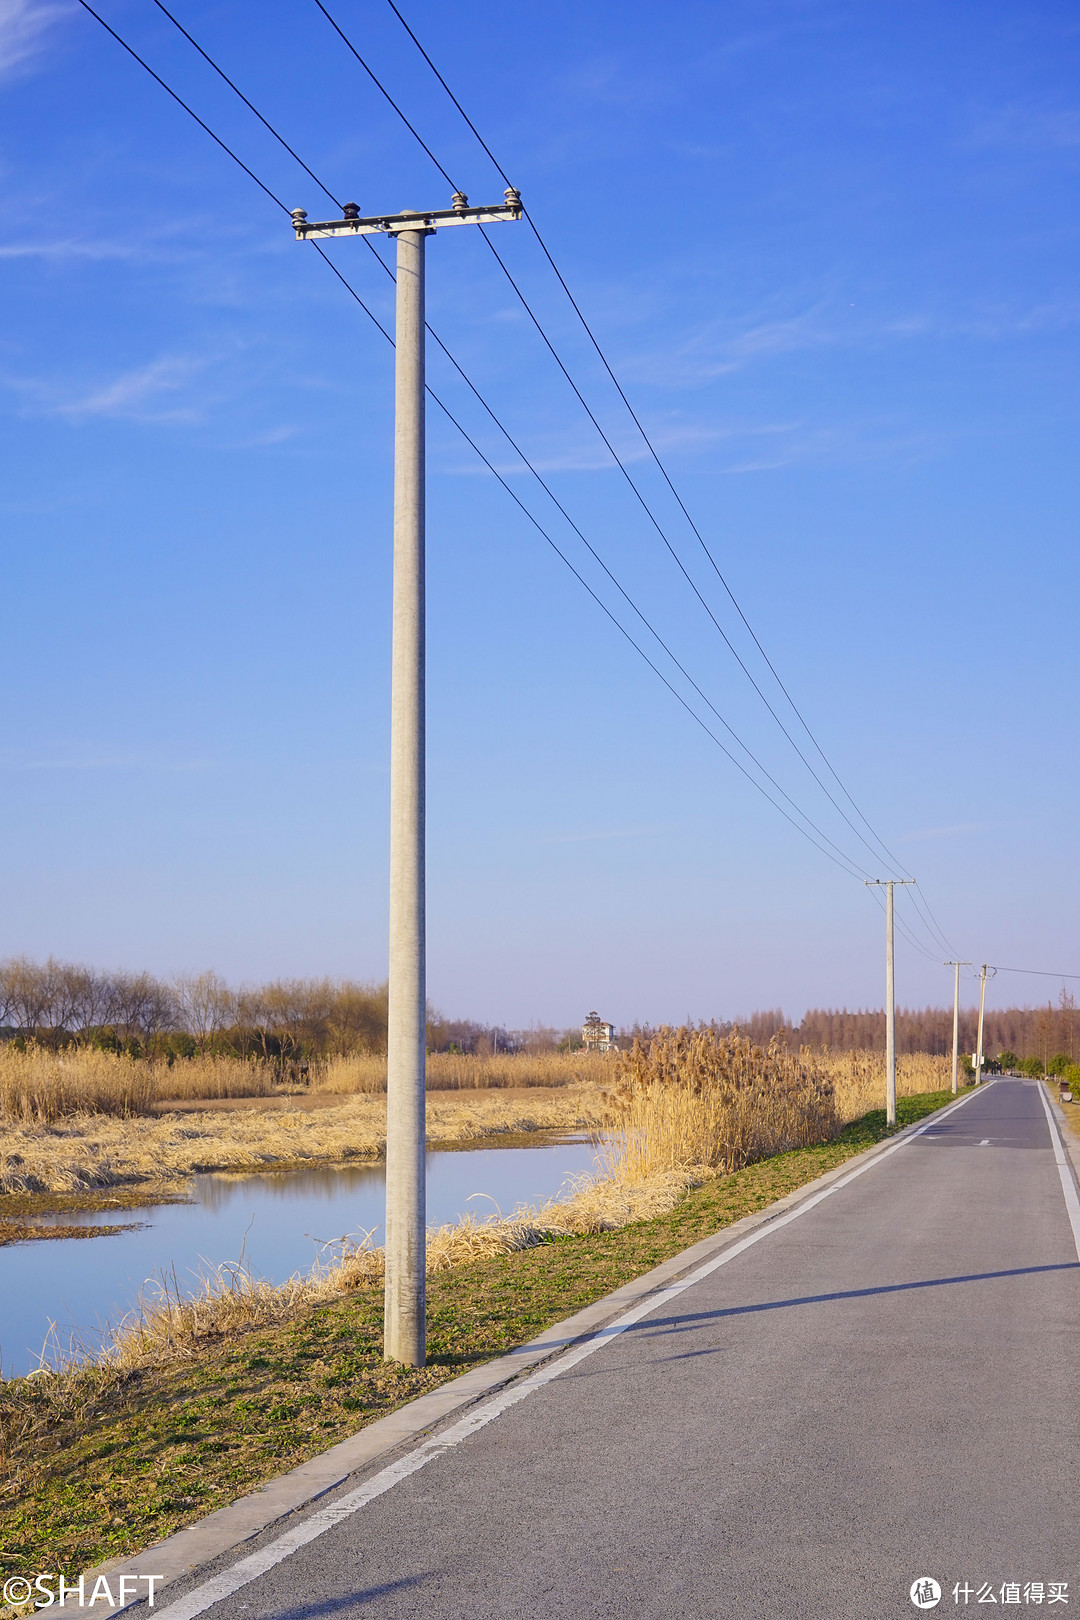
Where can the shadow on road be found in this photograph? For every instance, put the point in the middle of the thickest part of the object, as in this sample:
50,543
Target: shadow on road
683,1324
338,1605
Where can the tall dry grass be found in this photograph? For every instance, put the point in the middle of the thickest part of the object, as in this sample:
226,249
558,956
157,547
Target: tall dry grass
688,1105
858,1079
466,1071
688,1098
694,1098
43,1086
40,1087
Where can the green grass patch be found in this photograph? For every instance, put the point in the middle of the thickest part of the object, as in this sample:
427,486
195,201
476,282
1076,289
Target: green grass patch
122,1461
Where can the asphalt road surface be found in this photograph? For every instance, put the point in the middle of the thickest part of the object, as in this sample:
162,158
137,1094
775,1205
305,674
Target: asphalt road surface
881,1390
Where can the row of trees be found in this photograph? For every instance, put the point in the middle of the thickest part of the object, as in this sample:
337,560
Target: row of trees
56,1003
1025,1032
1037,1034
60,1002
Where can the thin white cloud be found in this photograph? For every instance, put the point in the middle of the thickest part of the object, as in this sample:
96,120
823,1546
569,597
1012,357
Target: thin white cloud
23,25
138,394
268,438
67,248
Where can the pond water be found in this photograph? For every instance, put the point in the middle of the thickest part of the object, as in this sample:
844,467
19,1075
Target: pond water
279,1222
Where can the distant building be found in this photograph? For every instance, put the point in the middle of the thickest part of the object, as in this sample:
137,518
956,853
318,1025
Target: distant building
598,1036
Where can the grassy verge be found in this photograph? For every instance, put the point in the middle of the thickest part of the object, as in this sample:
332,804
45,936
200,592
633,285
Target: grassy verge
114,1462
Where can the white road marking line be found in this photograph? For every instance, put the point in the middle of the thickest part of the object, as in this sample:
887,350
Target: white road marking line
275,1552
1068,1185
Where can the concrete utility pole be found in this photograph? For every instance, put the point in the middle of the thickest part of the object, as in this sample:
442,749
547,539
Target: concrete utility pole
890,993
956,1020
978,1048
405,1328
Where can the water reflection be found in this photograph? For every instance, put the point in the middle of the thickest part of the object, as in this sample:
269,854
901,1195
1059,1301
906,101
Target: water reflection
278,1220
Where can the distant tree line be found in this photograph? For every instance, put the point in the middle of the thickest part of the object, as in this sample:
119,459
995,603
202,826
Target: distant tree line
56,1003
1019,1032
1022,1034
60,1003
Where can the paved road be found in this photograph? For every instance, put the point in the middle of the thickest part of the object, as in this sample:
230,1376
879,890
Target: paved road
880,1390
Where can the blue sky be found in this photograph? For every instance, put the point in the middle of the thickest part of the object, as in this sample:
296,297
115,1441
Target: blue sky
831,251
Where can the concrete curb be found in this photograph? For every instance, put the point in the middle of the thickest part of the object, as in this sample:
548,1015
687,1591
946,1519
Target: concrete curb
230,1527
1068,1133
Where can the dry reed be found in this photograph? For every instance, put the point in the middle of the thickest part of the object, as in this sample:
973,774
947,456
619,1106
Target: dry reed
466,1071
43,1086
858,1079
692,1098
39,1087
688,1104
88,1151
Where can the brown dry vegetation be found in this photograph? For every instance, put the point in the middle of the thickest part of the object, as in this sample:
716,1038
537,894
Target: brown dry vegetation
694,1098
39,1085
470,1071
74,1122
87,1151
689,1099
859,1079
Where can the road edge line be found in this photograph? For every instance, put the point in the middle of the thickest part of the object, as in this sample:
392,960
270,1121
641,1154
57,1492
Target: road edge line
1064,1168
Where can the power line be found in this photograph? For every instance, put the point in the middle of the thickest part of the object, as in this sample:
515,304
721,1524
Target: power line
326,259
1039,973
927,920
926,916
843,861
249,105
412,130
915,944
514,446
644,435
596,424
181,103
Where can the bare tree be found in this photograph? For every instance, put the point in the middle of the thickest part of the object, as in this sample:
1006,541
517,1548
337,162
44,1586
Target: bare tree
206,1005
27,995
141,1005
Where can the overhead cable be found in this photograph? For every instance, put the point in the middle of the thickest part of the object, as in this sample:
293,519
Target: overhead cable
838,859
498,423
1039,973
637,423
619,462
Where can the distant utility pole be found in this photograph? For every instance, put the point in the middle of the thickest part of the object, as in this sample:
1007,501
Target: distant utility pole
405,1328
890,993
982,1002
955,1019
